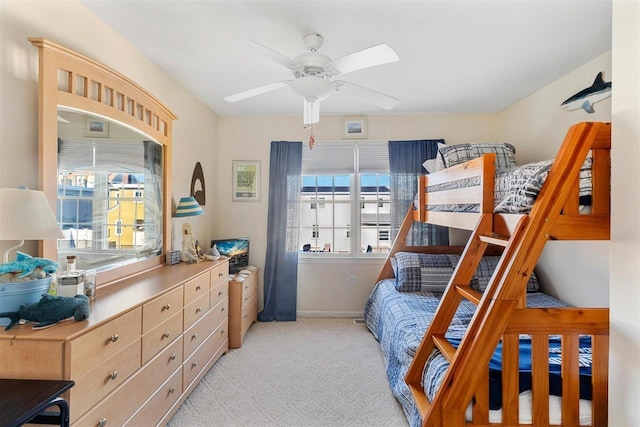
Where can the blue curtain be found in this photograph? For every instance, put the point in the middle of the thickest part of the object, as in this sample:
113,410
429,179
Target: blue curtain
281,264
405,165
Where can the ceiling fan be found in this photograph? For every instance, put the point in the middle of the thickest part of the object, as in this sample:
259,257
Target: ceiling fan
313,73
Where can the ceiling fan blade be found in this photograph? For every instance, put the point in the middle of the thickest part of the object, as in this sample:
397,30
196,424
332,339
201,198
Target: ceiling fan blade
252,46
256,91
370,57
374,97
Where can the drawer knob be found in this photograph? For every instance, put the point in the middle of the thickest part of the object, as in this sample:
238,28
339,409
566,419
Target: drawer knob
246,298
194,365
114,338
246,287
102,422
198,287
220,274
172,390
113,375
194,336
222,332
166,307
220,293
172,357
246,315
222,310
166,335
198,310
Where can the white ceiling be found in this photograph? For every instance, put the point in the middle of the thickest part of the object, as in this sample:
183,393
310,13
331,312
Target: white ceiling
455,55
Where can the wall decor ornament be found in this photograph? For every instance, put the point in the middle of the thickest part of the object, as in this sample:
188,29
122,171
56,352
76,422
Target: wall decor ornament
585,99
197,185
354,127
246,181
97,127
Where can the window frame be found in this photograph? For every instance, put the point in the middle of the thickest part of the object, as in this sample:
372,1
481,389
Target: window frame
354,233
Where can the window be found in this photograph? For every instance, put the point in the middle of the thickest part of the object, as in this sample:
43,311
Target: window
343,184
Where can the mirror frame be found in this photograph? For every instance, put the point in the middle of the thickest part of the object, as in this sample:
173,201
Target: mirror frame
70,79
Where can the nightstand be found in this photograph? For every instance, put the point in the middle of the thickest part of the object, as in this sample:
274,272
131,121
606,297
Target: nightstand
243,306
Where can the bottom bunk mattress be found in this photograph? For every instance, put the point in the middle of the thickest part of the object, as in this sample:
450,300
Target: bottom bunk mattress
398,320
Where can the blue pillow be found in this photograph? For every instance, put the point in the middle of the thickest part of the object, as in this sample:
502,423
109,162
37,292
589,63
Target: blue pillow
423,272
486,268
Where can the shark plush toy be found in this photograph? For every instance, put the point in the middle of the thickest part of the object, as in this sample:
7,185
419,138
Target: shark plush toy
585,99
25,265
50,310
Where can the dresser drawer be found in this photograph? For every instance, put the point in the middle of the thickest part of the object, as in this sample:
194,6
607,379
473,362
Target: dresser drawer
219,292
249,312
220,273
220,312
250,286
196,335
160,309
196,310
199,359
99,344
197,287
161,336
100,381
127,399
155,408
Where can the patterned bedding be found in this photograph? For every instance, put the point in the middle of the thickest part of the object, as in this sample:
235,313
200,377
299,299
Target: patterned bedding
516,189
398,320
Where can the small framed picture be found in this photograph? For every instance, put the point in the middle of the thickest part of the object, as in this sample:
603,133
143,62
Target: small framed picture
354,127
97,127
246,181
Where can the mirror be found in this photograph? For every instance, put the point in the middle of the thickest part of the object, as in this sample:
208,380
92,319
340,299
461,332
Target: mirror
104,154
109,203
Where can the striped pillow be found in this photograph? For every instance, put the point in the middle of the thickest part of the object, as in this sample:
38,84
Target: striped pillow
451,155
423,272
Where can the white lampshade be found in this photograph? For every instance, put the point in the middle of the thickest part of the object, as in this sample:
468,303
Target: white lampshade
312,87
26,215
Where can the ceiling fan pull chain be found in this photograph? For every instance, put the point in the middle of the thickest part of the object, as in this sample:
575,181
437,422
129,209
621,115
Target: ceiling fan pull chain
312,139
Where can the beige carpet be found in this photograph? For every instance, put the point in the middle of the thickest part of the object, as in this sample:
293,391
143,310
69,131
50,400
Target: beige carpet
312,372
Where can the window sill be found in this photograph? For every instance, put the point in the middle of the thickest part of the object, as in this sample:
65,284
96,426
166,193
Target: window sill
322,258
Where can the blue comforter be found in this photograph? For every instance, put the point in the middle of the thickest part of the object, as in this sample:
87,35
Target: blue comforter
398,320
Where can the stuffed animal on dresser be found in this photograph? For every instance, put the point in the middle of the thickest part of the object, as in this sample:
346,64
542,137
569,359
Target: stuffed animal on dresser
50,310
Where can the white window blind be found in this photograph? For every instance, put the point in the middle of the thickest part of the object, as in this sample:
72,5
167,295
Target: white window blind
340,157
124,156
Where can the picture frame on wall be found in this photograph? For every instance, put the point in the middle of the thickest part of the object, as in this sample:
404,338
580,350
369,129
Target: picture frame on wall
354,127
246,181
97,128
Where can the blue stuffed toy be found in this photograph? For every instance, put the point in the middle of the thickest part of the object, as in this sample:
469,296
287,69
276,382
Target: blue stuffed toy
26,265
50,310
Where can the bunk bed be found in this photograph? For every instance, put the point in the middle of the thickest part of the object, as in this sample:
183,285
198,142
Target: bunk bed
479,356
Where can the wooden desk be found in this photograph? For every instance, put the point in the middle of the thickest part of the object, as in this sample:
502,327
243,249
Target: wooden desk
22,401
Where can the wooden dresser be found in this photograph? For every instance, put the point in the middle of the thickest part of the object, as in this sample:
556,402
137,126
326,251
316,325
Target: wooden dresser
147,343
243,307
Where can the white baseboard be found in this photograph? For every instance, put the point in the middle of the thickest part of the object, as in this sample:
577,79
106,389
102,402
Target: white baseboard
341,314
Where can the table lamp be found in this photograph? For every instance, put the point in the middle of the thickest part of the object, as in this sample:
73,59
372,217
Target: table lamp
26,215
188,207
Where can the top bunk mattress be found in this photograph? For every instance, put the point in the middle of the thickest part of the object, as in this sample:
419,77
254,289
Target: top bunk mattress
515,189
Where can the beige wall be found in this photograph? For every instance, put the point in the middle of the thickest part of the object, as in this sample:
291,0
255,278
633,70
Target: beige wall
536,126
69,23
323,288
624,377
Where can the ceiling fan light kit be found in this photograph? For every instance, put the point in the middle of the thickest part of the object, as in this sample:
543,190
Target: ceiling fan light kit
313,71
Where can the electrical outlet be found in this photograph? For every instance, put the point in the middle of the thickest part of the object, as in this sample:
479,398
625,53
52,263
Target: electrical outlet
352,280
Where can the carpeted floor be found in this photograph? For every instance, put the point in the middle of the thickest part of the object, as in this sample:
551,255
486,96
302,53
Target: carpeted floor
313,372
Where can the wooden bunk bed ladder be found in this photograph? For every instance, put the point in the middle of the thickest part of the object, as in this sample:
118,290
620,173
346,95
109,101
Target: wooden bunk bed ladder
501,312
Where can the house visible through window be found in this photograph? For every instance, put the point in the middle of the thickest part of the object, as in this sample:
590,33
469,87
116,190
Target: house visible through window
345,203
